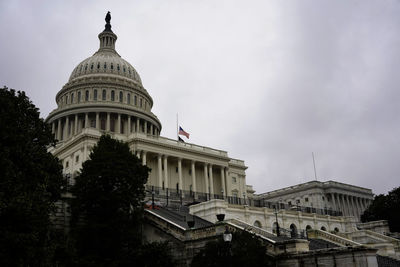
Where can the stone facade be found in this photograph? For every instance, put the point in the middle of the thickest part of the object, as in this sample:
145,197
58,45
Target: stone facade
349,199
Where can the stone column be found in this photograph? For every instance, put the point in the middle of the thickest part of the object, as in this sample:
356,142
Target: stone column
206,179
144,153
53,128
333,201
211,180
76,124
223,181
59,129
145,127
86,120
137,125
341,201
360,210
348,205
119,123
166,171
66,127
194,178
352,209
180,174
159,157
108,122
228,183
97,121
129,125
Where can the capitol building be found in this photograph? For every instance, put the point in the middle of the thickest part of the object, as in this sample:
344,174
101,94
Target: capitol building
105,95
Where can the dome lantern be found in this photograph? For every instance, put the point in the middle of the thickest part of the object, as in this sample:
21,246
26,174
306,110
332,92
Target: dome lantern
107,37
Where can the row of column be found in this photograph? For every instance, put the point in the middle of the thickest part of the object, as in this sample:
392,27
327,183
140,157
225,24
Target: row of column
69,129
349,205
162,160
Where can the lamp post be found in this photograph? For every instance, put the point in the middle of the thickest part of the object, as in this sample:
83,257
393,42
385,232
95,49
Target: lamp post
227,240
152,197
277,224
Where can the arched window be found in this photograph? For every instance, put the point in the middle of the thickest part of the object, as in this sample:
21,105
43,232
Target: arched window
105,65
121,96
135,100
86,95
79,96
323,228
128,98
274,227
112,95
95,94
112,66
98,65
336,230
257,224
308,227
72,98
141,102
66,99
293,230
104,95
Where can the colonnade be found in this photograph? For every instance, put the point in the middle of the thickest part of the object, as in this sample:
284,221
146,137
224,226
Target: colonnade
70,125
349,205
163,179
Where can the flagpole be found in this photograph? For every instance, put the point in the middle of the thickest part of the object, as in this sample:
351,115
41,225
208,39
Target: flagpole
315,170
177,130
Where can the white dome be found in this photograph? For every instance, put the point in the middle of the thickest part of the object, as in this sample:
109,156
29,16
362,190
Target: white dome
105,62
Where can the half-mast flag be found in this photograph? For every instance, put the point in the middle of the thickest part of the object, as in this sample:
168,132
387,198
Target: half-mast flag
180,139
182,132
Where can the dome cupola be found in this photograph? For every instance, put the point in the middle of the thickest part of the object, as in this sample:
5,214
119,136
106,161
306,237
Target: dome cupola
104,92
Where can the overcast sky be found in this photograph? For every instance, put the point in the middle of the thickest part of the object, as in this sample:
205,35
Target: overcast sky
268,81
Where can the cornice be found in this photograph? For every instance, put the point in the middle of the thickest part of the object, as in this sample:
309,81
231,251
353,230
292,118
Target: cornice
102,107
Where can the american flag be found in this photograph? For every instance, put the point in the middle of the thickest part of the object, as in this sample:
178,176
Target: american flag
182,132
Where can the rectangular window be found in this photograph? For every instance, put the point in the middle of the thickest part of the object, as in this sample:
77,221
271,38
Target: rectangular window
77,159
129,98
135,100
95,94
234,180
298,201
306,199
290,203
72,98
140,101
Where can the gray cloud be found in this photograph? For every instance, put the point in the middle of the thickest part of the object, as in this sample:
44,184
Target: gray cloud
268,81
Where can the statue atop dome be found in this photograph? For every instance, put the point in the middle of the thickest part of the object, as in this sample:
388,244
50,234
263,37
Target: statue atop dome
108,17
108,25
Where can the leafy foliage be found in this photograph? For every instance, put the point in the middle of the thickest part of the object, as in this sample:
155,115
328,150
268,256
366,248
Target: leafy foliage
385,207
30,182
107,208
245,250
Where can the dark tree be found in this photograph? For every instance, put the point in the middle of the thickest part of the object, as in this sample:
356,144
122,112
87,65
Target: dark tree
245,250
30,183
385,207
107,208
